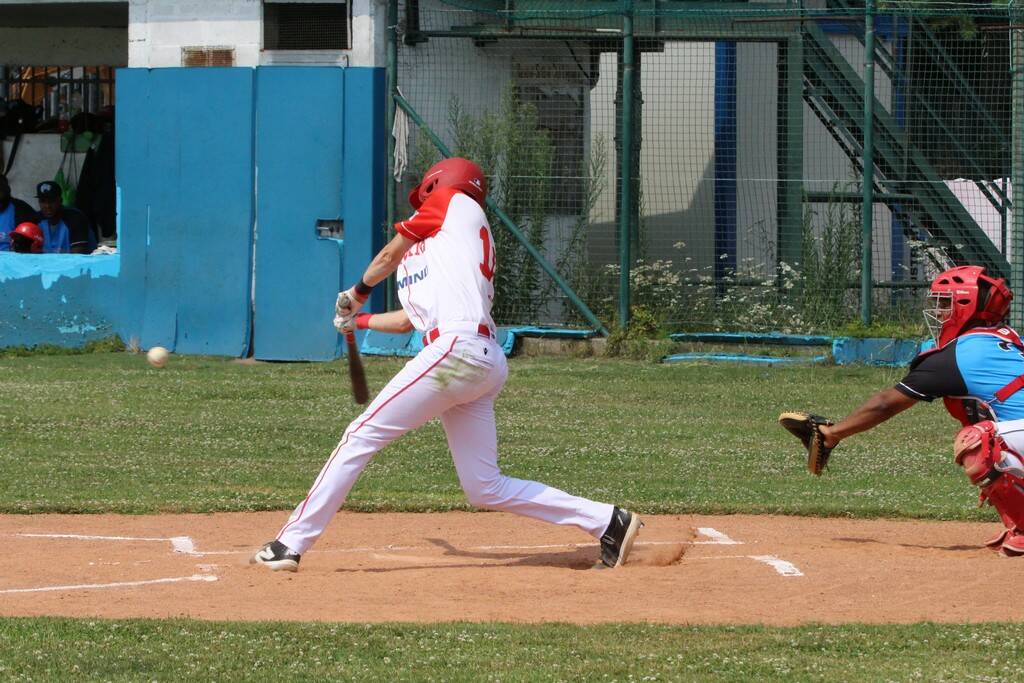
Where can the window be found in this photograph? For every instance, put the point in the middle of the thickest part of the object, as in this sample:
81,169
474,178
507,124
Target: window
297,25
44,98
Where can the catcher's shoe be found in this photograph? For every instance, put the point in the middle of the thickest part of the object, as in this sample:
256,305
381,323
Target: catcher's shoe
1013,544
618,538
277,557
995,543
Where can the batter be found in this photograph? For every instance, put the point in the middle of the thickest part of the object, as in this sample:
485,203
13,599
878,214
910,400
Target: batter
444,260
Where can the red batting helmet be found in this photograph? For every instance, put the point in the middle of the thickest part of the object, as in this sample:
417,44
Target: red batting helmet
30,235
965,295
462,174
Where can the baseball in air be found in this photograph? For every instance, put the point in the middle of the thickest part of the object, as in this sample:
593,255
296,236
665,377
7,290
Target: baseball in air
157,356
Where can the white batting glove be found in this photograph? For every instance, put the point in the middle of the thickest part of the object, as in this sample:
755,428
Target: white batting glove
348,303
345,324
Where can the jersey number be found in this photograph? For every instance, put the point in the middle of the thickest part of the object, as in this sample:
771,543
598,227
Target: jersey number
489,262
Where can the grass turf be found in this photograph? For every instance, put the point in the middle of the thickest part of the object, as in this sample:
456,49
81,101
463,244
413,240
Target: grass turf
105,432
66,649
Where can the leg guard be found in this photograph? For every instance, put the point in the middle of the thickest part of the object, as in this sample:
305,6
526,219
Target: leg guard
978,449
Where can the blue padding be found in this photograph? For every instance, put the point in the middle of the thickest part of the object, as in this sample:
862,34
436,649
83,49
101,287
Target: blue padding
406,345
752,338
299,159
552,332
506,340
383,344
185,170
733,358
882,352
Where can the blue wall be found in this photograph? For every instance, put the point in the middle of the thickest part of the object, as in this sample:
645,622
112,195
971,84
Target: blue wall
308,141
61,299
185,168
189,154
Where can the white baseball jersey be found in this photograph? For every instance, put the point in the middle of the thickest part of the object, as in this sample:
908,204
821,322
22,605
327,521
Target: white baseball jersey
446,277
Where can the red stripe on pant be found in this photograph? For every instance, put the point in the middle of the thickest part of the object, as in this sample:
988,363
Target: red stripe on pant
361,424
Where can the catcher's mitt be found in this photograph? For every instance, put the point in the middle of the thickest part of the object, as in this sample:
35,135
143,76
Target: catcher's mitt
807,428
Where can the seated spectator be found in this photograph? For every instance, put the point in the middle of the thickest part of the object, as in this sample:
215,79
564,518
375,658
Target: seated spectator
13,212
27,238
65,230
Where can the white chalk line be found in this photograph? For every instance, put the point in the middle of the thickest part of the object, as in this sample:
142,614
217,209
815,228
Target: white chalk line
186,546
120,584
716,536
180,544
782,567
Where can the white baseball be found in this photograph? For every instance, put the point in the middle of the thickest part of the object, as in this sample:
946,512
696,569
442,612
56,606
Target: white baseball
157,356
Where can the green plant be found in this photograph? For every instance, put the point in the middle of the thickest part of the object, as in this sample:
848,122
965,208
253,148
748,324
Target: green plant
112,344
893,330
830,260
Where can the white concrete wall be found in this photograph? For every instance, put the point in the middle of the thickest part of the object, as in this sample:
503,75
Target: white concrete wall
677,154
158,29
64,46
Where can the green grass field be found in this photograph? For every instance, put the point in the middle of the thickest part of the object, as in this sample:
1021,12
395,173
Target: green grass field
105,432
175,650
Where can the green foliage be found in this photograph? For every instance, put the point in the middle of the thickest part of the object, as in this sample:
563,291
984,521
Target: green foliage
110,344
641,340
888,330
830,261
180,649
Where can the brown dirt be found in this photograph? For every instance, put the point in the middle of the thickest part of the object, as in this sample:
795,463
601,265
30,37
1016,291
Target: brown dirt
490,566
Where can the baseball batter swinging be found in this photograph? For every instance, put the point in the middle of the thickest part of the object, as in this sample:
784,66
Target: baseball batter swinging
977,368
444,256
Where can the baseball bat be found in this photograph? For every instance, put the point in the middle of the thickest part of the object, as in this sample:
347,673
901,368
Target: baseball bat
356,373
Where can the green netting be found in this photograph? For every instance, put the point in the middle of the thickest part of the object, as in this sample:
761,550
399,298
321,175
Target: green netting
748,136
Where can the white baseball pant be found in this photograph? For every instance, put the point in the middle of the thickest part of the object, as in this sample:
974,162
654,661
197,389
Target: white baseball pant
456,378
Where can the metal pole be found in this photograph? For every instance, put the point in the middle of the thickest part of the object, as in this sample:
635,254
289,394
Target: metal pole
510,224
1016,246
392,89
626,164
869,162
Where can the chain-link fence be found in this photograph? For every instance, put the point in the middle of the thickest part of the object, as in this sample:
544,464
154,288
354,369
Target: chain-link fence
746,153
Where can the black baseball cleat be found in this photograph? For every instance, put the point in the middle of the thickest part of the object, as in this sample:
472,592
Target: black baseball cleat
277,557
618,538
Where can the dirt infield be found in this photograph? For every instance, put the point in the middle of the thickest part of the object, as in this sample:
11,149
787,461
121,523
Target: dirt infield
489,566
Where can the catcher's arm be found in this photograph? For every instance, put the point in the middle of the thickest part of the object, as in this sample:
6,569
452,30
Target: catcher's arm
873,412
820,436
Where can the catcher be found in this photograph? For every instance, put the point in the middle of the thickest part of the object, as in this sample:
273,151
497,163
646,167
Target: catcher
977,368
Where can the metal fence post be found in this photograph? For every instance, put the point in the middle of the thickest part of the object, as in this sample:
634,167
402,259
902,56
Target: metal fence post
869,162
392,86
626,164
1016,255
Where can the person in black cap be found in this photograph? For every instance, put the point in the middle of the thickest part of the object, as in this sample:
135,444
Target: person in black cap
13,212
65,230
